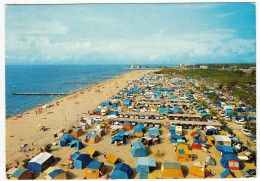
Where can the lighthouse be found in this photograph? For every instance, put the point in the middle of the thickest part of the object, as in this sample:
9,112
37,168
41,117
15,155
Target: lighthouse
132,64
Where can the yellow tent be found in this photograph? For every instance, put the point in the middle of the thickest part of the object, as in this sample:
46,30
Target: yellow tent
171,169
198,169
183,153
91,151
112,159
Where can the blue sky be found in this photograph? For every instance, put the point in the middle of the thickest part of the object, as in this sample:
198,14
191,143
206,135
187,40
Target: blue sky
116,33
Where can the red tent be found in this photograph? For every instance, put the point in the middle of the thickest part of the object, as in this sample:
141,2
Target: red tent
196,146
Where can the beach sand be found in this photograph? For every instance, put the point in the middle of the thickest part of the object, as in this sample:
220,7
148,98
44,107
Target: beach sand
71,108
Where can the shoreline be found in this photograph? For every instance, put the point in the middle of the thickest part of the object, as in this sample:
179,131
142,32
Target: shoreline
59,98
25,130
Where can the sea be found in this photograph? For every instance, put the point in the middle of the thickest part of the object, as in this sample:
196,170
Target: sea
51,79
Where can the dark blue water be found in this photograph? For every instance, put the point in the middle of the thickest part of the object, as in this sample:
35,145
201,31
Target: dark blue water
50,79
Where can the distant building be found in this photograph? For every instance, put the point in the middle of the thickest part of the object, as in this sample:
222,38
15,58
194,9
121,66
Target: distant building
132,64
138,66
182,65
203,67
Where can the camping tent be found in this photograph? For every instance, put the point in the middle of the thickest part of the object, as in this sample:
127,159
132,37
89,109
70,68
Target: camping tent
227,174
127,126
65,139
183,153
54,173
92,138
210,161
138,150
144,164
92,152
230,161
77,132
149,140
112,159
225,149
80,161
196,144
139,130
94,170
153,131
85,126
222,140
121,171
118,139
171,169
21,174
198,169
177,138
76,144
40,162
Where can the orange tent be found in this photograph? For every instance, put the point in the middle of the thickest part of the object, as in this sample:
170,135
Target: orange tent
77,132
94,170
198,169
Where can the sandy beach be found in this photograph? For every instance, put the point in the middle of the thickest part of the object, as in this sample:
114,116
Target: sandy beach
71,108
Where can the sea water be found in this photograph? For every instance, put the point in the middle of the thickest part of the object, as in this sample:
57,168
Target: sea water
50,79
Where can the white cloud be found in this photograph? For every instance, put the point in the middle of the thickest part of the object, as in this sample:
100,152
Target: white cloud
30,27
214,43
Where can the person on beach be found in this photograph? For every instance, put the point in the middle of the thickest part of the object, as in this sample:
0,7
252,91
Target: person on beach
105,155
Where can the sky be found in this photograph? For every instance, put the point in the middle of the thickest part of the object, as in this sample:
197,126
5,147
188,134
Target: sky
116,33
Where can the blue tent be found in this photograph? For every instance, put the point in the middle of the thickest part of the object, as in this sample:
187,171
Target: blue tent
127,102
177,110
121,171
154,130
230,157
226,173
138,150
252,117
95,165
144,164
80,161
76,144
65,139
106,103
56,172
138,128
174,138
118,138
229,112
120,133
143,175
172,129
225,149
40,162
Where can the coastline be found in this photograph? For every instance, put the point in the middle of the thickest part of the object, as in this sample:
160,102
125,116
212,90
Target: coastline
24,130
59,98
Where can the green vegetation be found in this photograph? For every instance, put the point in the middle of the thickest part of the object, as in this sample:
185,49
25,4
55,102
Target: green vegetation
251,126
236,82
218,66
214,98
